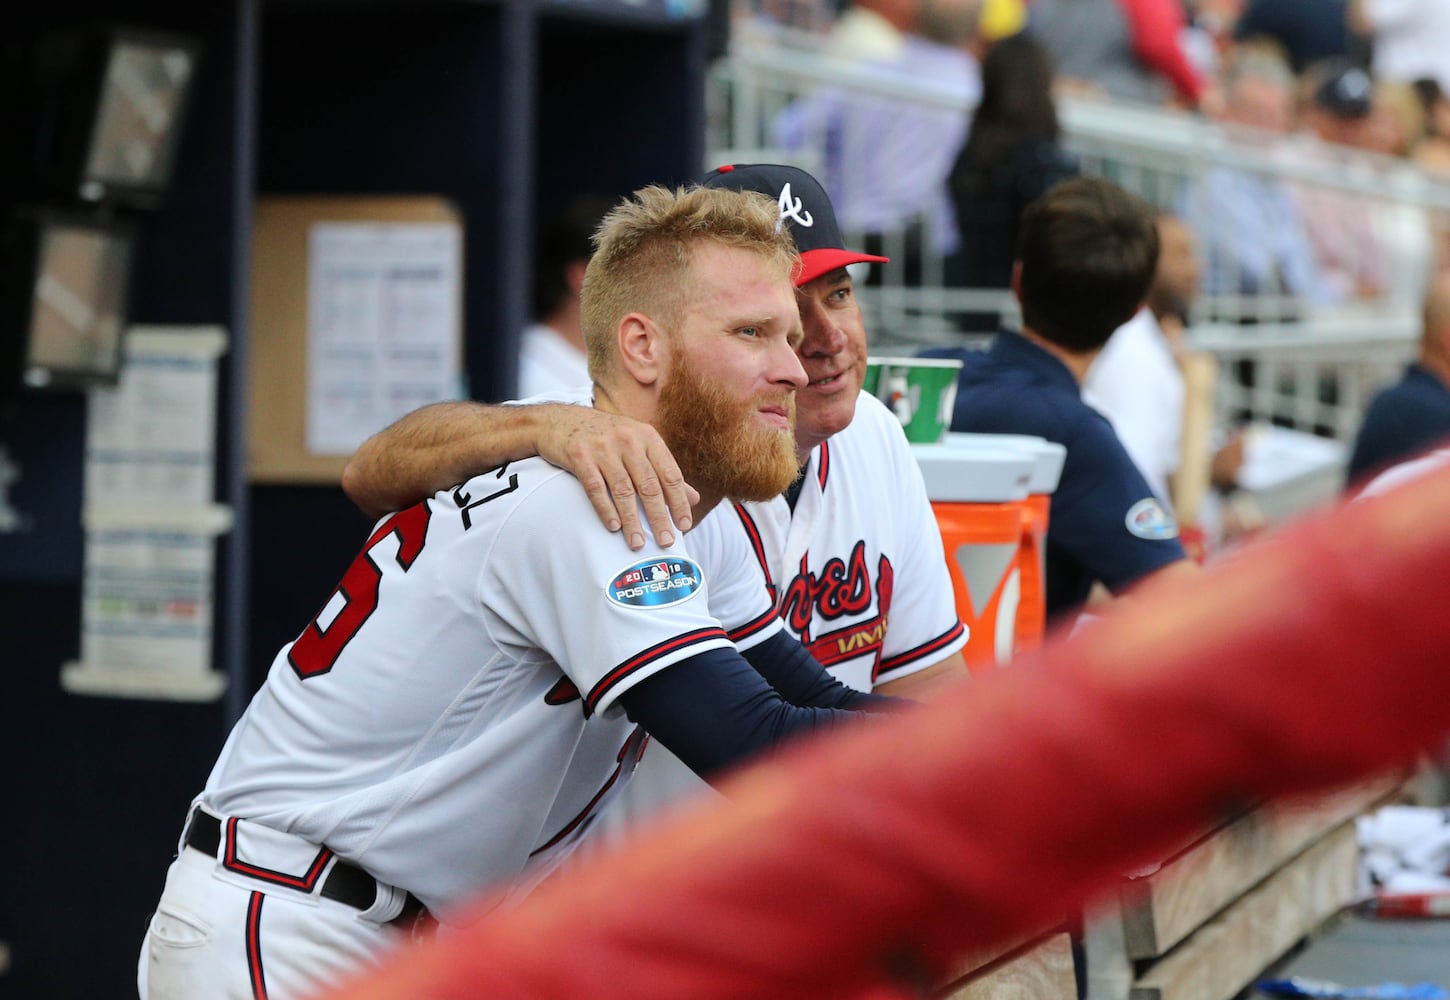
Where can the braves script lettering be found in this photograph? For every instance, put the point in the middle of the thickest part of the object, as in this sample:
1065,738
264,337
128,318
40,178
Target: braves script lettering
841,589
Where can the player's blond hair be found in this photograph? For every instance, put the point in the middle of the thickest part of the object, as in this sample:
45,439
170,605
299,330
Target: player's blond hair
642,256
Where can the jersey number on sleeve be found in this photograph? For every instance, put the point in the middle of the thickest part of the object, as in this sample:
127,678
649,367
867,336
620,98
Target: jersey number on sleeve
318,647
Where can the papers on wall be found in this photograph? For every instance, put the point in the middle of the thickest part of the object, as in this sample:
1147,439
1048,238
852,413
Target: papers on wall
151,522
383,330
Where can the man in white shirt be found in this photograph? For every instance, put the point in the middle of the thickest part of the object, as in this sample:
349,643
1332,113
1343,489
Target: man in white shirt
551,352
1136,381
1136,384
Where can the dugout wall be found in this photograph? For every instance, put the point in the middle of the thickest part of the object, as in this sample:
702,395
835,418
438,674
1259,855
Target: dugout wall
506,108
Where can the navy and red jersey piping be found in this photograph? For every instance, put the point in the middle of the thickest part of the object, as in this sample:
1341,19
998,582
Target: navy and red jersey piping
927,648
645,657
255,973
588,809
757,545
739,635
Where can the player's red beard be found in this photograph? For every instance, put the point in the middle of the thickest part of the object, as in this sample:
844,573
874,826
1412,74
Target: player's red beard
719,444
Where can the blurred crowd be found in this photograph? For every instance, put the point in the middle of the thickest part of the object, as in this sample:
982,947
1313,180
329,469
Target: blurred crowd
1167,52
952,126
1331,105
1352,86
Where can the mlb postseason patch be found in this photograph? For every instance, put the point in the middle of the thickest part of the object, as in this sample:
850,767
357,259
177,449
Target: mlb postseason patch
656,583
1149,519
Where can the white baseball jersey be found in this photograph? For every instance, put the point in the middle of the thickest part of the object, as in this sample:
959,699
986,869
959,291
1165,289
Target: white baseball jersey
861,552
857,573
472,731
748,615
862,546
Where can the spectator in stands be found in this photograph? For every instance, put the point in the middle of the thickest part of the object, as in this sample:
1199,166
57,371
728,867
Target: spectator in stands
1433,150
1208,34
883,159
1369,247
1338,120
1012,155
1087,254
1432,154
1128,49
1406,230
1397,120
1409,39
1252,234
551,353
1309,31
870,31
1413,413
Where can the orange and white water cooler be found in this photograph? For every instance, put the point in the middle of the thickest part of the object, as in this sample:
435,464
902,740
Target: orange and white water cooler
1032,553
990,494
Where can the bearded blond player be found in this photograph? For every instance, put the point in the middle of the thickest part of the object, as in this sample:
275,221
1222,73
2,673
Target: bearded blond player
482,681
851,553
851,547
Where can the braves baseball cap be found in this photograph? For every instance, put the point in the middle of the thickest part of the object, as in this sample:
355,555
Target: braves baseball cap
804,204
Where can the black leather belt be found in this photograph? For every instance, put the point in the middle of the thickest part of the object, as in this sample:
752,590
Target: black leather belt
345,883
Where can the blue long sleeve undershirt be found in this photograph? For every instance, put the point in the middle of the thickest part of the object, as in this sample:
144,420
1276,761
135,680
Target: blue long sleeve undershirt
718,708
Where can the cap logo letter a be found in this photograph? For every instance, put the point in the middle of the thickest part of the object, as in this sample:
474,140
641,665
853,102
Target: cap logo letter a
793,208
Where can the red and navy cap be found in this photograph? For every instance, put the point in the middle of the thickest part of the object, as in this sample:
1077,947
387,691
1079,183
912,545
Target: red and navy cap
803,203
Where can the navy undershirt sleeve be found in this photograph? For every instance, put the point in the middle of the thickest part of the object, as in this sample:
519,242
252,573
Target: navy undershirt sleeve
801,680
715,710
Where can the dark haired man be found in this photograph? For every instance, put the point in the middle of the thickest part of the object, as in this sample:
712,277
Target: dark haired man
1086,253
551,351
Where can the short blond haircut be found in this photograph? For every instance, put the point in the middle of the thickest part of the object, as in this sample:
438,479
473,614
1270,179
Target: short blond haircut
643,251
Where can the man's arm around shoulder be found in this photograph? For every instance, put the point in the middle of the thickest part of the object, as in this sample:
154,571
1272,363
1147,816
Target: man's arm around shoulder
616,459
434,448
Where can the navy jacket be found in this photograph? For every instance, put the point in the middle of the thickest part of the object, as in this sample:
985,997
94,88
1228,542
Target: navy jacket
1105,524
1402,420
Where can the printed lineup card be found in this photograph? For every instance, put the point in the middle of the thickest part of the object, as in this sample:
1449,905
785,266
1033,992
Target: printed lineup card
151,523
151,440
383,326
